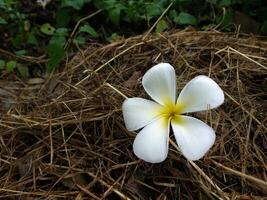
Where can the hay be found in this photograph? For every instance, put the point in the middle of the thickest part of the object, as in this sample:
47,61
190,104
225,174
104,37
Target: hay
65,138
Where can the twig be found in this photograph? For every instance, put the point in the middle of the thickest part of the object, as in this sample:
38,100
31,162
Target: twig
245,56
201,172
257,181
116,90
118,55
149,31
78,24
253,117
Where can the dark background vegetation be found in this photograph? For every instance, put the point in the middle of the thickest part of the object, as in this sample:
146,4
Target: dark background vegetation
37,38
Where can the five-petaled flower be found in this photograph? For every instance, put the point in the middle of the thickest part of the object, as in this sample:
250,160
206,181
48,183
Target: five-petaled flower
193,136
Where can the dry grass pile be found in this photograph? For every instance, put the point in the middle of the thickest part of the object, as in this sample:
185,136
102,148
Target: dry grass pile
64,137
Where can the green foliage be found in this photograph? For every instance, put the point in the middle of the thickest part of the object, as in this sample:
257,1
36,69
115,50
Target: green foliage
11,65
21,52
55,48
47,29
225,20
113,37
2,21
31,29
88,29
23,71
2,64
154,9
77,4
183,18
162,26
62,18
55,52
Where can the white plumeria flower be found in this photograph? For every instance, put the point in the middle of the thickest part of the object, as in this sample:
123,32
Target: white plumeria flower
193,136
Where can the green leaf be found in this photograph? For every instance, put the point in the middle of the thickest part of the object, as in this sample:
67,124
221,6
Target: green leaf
23,71
113,38
11,65
61,32
77,4
173,14
224,3
2,21
2,4
114,15
2,64
153,10
161,26
63,17
32,39
55,53
88,29
47,29
60,40
79,40
185,19
27,25
21,52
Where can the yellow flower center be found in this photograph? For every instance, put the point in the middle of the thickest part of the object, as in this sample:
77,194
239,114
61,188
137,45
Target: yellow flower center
171,110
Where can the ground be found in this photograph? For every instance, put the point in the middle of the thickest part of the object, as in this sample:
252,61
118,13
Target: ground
63,136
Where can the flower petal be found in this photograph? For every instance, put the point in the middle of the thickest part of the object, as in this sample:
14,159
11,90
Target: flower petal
160,83
152,142
193,136
201,93
138,112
